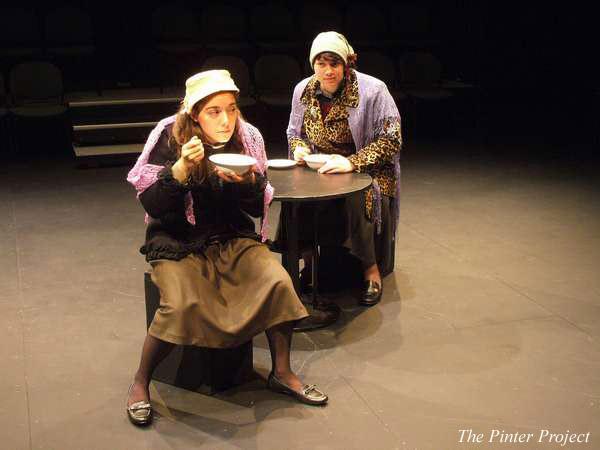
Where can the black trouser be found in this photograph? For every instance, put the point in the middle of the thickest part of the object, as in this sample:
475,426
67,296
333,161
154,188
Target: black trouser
343,223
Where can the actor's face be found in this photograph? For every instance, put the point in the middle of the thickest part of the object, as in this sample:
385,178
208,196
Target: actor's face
218,118
329,72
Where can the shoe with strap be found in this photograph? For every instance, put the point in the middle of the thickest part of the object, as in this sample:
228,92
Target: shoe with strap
139,413
309,394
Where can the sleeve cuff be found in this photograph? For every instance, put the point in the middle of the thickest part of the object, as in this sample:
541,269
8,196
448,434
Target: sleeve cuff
166,177
355,160
295,142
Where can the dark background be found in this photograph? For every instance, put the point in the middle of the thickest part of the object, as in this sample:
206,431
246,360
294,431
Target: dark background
532,67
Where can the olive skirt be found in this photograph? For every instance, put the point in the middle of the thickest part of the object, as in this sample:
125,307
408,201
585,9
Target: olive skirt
224,296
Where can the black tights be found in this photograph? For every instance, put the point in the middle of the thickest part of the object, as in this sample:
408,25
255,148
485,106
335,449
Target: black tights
155,350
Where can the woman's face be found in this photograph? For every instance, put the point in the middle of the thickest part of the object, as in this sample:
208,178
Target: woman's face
218,118
329,72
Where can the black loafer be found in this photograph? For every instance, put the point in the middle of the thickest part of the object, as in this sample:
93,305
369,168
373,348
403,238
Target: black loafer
309,395
372,293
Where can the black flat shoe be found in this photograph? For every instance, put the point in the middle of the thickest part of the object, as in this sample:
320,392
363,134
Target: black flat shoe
309,395
372,293
139,413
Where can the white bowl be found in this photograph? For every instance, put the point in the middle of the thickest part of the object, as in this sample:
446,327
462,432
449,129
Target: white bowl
232,161
281,163
315,161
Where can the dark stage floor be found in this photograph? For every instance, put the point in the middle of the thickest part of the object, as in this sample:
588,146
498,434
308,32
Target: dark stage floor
491,320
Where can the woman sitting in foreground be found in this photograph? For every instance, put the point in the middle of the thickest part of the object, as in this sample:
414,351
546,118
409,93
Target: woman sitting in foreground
219,284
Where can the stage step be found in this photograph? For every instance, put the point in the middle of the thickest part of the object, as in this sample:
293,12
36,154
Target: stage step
111,128
107,155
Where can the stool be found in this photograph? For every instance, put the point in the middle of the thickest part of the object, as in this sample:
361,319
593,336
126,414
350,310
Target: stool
200,369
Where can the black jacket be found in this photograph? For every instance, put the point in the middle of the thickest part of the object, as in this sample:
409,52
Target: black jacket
222,210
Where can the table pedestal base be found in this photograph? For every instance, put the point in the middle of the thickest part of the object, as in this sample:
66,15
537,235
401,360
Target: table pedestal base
321,315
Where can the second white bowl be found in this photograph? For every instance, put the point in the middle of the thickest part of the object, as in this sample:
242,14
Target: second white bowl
316,160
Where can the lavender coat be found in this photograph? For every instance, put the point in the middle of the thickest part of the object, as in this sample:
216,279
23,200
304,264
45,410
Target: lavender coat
375,106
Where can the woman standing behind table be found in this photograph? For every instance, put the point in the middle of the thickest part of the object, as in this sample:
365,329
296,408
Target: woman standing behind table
353,117
219,284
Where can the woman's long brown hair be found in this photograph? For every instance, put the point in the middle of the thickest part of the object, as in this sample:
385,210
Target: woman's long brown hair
185,128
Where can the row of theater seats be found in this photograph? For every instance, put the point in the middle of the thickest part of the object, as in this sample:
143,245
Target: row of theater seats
124,114
175,26
269,78
98,46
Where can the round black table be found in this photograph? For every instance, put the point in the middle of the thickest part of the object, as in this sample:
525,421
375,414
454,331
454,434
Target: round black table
302,184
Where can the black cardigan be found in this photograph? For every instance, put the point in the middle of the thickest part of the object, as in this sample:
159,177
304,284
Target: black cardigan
222,210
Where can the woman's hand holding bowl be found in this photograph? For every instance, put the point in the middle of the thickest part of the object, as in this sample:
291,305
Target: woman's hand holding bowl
231,177
337,164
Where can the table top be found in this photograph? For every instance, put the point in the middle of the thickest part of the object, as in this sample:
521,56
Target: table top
303,184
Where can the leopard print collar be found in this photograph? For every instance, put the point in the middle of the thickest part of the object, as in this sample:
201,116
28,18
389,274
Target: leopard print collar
348,97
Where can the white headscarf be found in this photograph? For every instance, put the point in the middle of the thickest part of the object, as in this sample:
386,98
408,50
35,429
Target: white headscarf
206,83
330,41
